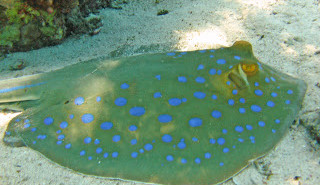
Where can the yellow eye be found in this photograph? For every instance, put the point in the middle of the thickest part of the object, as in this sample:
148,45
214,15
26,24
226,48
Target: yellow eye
249,69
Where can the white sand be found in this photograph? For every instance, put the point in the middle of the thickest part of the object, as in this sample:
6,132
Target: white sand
290,31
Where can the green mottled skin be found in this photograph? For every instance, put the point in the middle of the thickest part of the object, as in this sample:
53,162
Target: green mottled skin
103,78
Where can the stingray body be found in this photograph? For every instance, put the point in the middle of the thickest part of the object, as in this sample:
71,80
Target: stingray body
178,118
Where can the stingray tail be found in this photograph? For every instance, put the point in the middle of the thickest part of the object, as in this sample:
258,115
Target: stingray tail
17,90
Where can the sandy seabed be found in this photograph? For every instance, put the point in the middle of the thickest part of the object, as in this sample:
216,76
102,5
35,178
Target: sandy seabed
284,35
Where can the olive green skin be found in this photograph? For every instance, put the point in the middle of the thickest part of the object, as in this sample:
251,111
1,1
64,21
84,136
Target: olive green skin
55,93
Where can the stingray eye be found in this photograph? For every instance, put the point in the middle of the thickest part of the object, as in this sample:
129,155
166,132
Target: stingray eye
249,69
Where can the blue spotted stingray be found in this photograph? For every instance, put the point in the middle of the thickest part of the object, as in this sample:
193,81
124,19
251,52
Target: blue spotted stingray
177,118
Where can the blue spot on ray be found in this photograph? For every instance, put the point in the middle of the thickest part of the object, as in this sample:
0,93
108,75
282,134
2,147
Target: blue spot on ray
237,57
181,145
48,120
115,154
133,128
98,150
106,125
216,114
98,99
194,139
261,123
96,141
164,118
200,80
175,101
137,111
248,127
120,101
258,92
157,95
199,95
148,147
267,80
195,122
166,138
242,100
41,137
133,141
105,155
158,77
239,129
87,118
82,153
79,101
67,146
234,91
225,150
200,67
169,158
134,154
124,86
242,110
212,141
212,71
221,141
224,131
274,94
255,108
270,104
182,79
231,102
221,61
63,125
116,138
87,140
207,155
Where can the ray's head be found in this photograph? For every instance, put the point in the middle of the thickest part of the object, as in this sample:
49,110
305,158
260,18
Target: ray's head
252,78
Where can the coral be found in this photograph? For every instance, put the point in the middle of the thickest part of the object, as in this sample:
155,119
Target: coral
163,12
31,24
27,27
21,12
7,3
18,65
9,35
